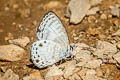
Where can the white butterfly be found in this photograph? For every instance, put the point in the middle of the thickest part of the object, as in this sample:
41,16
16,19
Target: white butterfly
52,44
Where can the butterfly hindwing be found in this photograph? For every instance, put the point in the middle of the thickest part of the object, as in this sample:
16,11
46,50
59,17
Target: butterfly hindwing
46,52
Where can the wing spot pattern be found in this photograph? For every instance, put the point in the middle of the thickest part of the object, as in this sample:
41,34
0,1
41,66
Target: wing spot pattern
40,44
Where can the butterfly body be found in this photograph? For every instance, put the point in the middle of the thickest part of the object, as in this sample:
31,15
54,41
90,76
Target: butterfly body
52,44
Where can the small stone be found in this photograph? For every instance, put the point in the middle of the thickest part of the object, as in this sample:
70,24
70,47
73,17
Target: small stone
117,33
20,41
10,75
82,72
76,38
115,11
25,12
11,52
54,71
79,6
53,4
94,64
34,76
9,36
93,11
91,72
34,23
117,57
15,6
1,30
75,77
91,75
105,49
103,16
91,19
68,71
95,2
99,72
118,45
7,8
83,56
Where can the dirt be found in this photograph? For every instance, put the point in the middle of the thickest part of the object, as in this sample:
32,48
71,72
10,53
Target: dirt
21,18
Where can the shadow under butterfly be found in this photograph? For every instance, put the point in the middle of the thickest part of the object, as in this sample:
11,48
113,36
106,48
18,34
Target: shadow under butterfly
52,44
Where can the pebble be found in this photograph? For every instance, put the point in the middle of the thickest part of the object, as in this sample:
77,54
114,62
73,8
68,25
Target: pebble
115,11
34,76
91,72
95,2
91,19
117,33
83,56
118,45
94,64
103,16
68,71
53,4
11,52
54,71
76,38
10,75
105,50
99,72
93,11
117,57
25,12
75,77
79,6
20,41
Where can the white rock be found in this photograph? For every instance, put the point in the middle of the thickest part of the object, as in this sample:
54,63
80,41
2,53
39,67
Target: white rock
92,77
83,56
105,51
11,52
115,11
78,47
94,64
95,2
77,10
108,47
69,68
75,77
10,75
117,57
118,45
34,76
91,72
117,33
103,16
54,71
20,41
92,10
53,4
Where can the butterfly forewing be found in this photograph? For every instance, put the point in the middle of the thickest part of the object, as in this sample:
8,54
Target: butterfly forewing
51,28
45,52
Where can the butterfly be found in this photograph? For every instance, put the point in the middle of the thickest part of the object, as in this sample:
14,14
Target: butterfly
52,44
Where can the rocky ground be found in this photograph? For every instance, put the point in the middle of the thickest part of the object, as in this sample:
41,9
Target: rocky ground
93,27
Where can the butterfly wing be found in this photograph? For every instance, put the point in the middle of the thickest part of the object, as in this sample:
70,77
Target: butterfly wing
46,52
51,28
